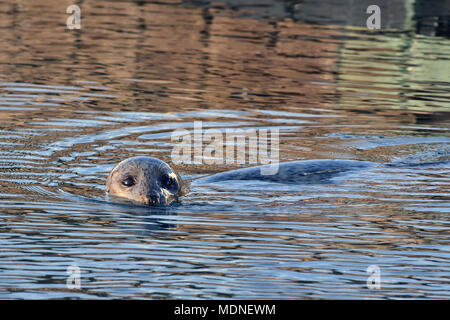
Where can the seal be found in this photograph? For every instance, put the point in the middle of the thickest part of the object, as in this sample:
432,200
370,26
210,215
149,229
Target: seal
294,172
150,181
145,180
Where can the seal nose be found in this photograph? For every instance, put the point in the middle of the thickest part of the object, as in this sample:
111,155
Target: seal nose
153,200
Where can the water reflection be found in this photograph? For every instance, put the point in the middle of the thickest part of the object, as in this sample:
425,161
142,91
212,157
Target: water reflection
74,103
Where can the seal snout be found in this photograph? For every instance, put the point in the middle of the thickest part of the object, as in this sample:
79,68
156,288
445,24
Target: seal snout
153,200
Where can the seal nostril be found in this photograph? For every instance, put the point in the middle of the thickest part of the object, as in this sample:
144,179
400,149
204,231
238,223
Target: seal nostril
153,200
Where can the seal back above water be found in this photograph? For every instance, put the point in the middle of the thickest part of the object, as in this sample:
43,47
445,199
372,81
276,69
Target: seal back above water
295,172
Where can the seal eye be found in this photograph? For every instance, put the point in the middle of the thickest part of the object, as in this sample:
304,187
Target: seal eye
167,180
128,181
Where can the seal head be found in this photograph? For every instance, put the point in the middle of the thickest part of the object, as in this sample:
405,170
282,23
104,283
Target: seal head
145,180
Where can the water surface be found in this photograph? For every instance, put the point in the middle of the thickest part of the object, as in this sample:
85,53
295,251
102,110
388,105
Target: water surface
75,102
